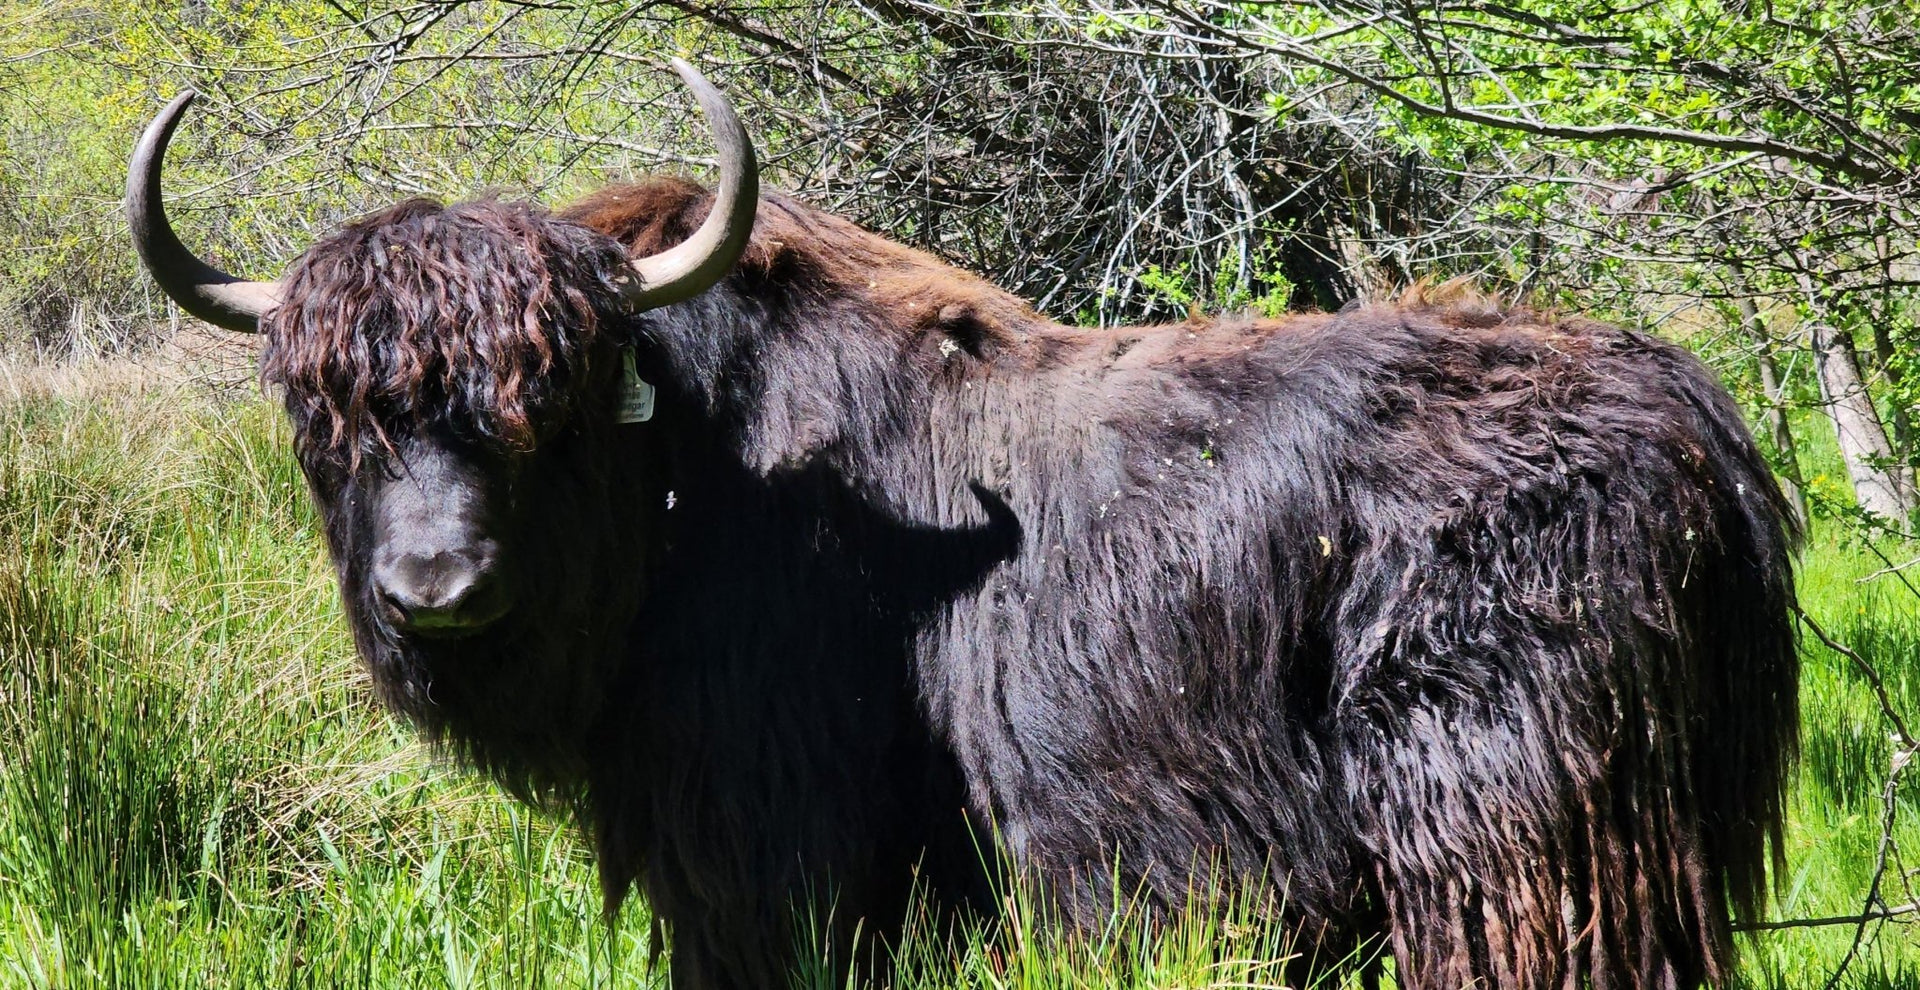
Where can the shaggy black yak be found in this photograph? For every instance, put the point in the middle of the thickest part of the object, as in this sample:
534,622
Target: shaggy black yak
797,565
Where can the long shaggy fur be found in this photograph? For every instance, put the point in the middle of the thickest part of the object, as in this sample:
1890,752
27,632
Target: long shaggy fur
1463,626
473,325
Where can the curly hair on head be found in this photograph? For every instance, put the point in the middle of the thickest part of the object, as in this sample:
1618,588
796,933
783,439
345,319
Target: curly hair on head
480,314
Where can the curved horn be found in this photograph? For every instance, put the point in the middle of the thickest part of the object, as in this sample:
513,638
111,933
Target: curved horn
198,287
693,266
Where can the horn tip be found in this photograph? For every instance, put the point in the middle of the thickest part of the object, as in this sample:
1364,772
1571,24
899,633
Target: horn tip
686,70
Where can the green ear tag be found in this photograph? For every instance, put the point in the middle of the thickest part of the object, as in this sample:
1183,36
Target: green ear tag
636,396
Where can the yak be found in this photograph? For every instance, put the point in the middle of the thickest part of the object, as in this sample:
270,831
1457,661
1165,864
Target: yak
814,576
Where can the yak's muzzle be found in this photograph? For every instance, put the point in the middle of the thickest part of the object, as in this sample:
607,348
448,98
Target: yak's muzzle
437,567
441,594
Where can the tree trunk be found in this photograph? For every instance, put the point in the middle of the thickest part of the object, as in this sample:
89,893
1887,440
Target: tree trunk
1878,484
1784,449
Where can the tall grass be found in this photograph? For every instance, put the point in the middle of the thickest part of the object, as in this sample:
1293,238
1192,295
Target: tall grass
196,790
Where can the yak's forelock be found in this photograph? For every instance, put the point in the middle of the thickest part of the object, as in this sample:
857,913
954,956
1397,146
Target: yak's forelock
482,315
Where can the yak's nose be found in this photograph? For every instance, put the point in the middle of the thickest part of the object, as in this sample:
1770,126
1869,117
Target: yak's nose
443,594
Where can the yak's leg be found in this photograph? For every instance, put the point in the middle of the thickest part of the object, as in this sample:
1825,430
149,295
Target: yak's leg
1324,952
1511,855
796,948
693,967
1463,819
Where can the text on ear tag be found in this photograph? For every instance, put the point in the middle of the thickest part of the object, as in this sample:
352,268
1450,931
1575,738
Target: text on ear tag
636,396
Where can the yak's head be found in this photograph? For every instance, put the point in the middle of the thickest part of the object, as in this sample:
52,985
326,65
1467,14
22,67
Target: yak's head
454,376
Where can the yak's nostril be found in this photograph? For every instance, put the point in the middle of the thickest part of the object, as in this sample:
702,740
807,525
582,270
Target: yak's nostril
444,594
395,608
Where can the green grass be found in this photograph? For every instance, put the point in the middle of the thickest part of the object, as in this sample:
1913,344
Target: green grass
196,789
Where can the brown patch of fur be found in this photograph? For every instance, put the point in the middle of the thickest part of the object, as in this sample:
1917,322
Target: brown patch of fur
793,241
480,313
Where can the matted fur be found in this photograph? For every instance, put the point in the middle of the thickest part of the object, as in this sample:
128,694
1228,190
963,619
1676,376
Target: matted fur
1464,626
